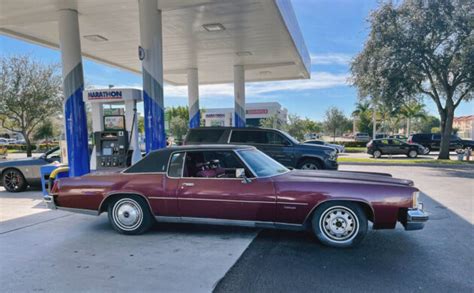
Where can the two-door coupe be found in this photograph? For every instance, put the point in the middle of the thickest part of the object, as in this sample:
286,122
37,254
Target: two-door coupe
239,185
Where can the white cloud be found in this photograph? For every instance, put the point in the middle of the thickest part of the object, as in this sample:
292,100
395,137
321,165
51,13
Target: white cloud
319,80
331,58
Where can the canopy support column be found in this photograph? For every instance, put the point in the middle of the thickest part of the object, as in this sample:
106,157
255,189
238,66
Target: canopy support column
193,98
152,68
239,96
73,85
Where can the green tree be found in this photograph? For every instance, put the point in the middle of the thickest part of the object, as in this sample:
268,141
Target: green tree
363,114
295,127
178,127
426,124
410,111
30,92
44,131
273,122
335,122
420,47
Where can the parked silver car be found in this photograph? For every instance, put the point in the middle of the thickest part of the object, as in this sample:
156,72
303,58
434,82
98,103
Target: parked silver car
17,175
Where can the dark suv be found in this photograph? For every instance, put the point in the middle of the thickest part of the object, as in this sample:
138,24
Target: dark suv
432,141
275,143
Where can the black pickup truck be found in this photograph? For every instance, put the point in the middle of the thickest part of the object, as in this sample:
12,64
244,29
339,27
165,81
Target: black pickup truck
275,143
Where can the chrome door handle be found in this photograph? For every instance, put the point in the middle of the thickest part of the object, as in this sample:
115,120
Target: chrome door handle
187,184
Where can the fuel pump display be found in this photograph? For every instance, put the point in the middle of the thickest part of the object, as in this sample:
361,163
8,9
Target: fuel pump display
112,143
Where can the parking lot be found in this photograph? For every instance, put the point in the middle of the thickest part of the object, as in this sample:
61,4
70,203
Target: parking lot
54,251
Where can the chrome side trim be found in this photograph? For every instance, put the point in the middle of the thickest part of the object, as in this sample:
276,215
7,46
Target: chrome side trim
227,200
124,192
227,222
79,211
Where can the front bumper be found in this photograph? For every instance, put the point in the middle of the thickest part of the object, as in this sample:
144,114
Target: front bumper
415,219
331,165
49,200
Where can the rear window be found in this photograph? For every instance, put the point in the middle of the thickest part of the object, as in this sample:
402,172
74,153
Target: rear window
204,136
153,162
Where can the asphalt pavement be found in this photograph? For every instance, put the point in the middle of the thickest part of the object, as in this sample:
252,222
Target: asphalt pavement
439,258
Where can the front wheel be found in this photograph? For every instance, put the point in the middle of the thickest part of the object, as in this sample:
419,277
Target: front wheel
309,164
130,215
412,153
340,224
14,181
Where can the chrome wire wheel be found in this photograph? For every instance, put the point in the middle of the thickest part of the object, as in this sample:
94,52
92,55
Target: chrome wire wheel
127,214
412,153
13,181
339,224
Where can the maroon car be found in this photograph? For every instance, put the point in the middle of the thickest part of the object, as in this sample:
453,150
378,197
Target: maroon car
239,185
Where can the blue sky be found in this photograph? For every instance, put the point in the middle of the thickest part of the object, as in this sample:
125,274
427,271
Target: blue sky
334,31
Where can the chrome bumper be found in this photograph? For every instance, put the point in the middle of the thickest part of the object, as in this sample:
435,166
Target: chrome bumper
415,219
49,200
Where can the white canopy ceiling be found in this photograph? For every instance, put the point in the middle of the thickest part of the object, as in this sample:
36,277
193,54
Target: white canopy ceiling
262,35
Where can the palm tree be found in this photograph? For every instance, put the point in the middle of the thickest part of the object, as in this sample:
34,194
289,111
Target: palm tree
410,110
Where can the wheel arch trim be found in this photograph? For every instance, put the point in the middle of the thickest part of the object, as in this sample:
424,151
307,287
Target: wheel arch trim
118,193
346,199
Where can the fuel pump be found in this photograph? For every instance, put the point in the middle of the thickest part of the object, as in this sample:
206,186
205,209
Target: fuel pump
114,124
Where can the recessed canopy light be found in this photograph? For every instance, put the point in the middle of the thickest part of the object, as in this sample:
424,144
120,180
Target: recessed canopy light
243,53
213,27
95,38
265,72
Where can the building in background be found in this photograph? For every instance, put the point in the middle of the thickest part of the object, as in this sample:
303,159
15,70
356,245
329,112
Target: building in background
255,112
465,124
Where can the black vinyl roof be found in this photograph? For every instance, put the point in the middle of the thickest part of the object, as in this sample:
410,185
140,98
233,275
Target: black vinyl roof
157,160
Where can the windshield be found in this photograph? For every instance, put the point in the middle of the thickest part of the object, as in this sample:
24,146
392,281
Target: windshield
291,138
261,164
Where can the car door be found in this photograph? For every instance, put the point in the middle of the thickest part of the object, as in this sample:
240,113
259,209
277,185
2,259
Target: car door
279,148
398,147
225,197
270,142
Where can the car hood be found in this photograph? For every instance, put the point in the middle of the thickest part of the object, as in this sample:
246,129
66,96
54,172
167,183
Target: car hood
21,162
316,147
361,177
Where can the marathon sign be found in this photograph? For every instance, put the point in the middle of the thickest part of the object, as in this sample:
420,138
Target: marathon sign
104,95
111,95
215,115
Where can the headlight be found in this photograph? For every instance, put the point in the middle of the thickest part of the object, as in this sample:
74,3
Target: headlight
416,195
332,155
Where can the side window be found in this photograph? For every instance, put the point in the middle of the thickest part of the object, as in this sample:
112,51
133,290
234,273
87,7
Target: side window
384,142
212,164
175,169
248,136
275,138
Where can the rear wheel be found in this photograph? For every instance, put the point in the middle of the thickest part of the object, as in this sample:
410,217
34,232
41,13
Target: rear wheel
14,181
377,154
309,164
130,215
340,224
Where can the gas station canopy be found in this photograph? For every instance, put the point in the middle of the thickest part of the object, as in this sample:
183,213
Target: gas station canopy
212,35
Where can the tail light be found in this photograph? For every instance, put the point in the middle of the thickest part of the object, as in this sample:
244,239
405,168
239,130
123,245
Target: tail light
369,144
410,141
